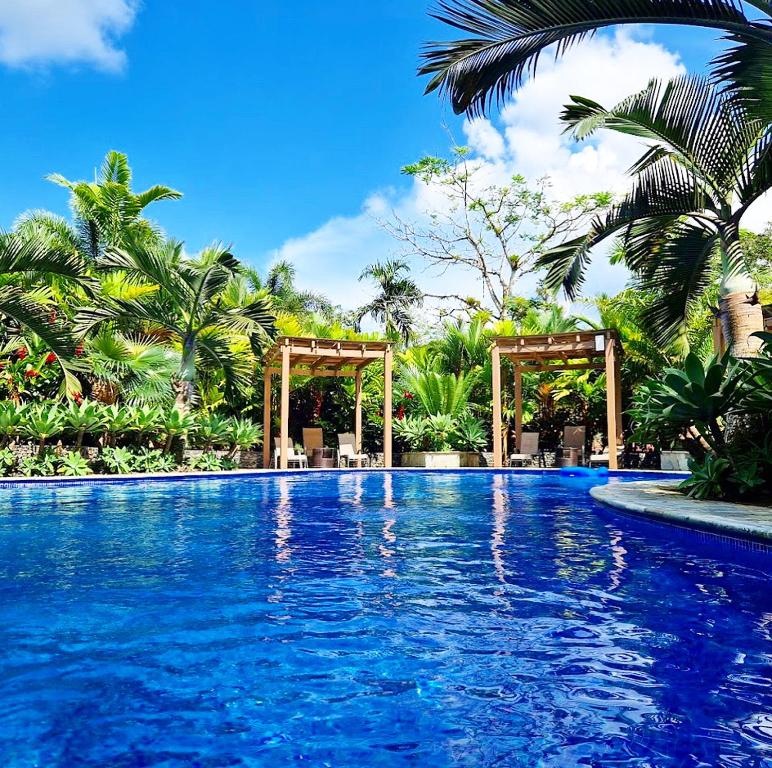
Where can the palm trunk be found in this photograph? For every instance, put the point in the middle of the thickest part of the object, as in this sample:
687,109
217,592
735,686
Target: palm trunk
739,306
186,377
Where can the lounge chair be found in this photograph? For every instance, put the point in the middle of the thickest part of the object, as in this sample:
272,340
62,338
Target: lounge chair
312,438
347,452
298,459
574,437
529,449
602,459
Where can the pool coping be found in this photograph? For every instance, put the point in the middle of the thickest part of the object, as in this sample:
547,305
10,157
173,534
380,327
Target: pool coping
660,500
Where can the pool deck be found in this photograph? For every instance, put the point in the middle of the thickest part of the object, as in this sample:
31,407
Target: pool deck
660,500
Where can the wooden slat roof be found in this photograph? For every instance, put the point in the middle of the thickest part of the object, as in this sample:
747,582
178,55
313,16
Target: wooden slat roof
326,354
576,345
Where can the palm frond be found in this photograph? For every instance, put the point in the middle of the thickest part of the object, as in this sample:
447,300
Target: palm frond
506,38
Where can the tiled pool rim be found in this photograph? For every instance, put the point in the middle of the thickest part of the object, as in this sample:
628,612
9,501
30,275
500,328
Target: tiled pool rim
659,501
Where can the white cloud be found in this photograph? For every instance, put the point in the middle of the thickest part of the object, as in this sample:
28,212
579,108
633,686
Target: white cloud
43,32
527,139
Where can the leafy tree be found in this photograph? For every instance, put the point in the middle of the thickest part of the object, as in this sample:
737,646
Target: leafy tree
397,297
504,39
493,233
708,163
187,307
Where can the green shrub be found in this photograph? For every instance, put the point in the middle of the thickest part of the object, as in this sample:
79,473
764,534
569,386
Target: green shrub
243,434
117,461
212,431
83,417
153,460
72,464
42,422
11,418
40,465
7,461
471,434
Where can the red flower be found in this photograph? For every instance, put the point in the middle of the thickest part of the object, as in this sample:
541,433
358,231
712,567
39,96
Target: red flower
21,353
79,350
77,397
50,358
401,412
52,316
31,374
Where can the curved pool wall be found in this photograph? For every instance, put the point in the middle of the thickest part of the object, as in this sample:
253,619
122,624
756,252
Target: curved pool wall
373,618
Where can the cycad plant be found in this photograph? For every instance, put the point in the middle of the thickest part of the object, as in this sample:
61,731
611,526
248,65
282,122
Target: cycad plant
439,393
42,422
503,40
707,163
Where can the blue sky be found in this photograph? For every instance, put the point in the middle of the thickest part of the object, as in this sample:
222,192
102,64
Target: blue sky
271,119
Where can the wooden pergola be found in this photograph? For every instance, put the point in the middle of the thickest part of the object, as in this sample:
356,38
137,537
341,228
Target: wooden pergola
295,356
578,350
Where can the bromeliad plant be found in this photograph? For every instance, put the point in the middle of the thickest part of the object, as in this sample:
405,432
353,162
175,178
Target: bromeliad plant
696,403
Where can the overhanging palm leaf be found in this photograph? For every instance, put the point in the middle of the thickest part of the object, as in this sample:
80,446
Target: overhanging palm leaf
708,163
506,38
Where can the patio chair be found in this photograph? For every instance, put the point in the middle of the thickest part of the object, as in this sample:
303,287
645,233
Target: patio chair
313,437
602,459
347,452
299,459
529,449
574,437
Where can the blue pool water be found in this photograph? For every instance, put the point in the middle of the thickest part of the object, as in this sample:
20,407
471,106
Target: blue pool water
371,619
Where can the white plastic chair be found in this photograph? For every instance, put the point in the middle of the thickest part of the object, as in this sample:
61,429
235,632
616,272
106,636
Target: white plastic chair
347,452
300,459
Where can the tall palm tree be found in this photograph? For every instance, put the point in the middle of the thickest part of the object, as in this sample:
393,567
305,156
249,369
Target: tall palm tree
187,307
708,162
504,39
398,295
107,211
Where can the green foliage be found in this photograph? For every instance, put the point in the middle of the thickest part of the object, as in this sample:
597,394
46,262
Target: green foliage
471,434
439,393
153,460
708,478
7,461
72,464
83,417
11,419
40,465
209,462
244,434
117,461
117,420
212,431
43,422
177,423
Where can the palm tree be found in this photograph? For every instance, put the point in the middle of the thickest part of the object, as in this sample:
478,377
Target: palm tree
397,296
279,283
504,39
707,164
187,308
25,304
107,211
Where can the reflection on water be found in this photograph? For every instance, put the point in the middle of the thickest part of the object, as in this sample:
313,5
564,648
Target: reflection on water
372,618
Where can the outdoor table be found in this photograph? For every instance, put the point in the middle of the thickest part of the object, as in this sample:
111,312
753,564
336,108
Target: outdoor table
322,458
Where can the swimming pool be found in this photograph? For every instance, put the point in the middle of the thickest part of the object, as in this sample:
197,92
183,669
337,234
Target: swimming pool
368,619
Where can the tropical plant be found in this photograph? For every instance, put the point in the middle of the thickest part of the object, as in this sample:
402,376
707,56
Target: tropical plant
504,39
72,464
42,422
412,429
107,210
707,165
208,462
439,393
398,296
11,420
40,465
117,419
117,461
153,460
243,435
7,461
146,420
470,434
212,430
83,417
177,423
187,308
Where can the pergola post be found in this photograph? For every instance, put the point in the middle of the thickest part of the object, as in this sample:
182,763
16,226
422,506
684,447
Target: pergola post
518,408
358,411
613,402
388,362
498,462
267,376
285,384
